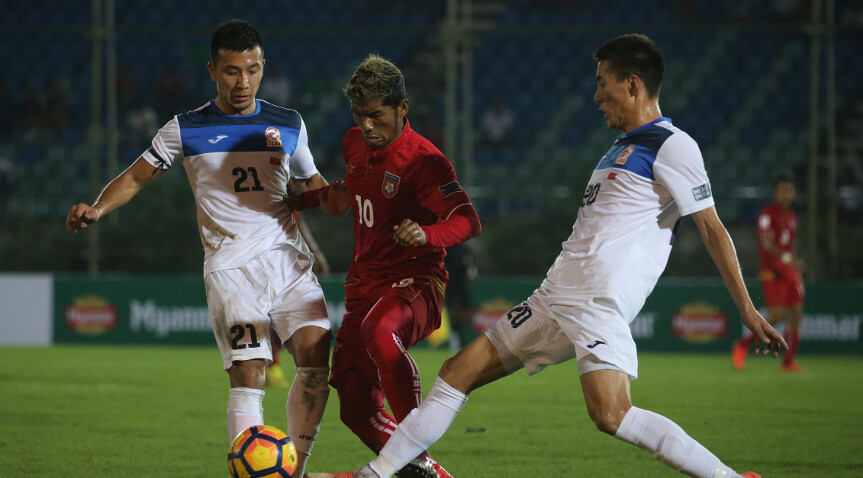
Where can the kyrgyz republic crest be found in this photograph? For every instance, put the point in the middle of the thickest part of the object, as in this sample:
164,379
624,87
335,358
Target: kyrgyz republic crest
391,184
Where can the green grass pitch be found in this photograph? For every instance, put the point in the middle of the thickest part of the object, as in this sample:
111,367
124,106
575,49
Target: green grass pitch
77,411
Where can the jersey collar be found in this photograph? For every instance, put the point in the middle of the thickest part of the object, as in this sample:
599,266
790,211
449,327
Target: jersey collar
375,153
646,125
257,110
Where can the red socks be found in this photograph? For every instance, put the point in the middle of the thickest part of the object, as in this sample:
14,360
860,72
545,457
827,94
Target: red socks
793,339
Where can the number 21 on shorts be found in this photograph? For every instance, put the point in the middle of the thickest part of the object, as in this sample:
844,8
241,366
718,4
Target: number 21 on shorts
238,334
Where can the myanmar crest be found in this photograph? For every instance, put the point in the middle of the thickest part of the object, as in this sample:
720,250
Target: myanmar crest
391,184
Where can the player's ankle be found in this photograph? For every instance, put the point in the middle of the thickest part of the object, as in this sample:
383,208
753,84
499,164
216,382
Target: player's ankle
374,470
381,467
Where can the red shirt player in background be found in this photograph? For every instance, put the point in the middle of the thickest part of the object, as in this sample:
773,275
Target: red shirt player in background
407,207
780,271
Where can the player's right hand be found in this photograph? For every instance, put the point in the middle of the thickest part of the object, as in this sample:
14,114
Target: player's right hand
80,216
765,334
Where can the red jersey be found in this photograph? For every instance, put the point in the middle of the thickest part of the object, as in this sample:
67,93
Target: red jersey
407,179
782,225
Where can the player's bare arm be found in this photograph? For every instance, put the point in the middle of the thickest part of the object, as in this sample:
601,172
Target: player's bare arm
117,193
295,199
332,198
721,249
315,182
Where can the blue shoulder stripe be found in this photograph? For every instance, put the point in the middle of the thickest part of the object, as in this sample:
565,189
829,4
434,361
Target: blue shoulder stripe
269,128
636,152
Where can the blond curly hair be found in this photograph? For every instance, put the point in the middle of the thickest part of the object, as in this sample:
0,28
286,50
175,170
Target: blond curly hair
377,78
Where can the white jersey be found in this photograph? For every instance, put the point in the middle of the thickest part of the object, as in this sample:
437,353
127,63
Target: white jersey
239,167
622,237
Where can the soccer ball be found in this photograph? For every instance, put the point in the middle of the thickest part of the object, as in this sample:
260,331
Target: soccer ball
262,451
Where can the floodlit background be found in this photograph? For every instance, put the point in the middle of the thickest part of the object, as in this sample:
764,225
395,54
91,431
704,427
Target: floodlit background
763,86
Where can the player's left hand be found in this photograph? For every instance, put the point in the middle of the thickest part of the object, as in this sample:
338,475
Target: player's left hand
764,334
409,234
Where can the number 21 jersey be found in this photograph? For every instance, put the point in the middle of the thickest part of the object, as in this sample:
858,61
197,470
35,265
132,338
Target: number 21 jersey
239,167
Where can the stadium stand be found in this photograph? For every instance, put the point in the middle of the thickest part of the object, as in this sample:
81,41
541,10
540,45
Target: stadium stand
738,82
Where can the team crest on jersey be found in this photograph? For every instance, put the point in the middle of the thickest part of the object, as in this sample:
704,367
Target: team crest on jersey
391,184
624,155
274,137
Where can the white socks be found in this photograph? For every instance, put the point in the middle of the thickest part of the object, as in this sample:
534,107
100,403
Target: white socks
305,406
420,429
245,409
643,428
670,444
307,400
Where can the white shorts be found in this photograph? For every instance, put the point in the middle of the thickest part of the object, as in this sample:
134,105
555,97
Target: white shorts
536,334
271,291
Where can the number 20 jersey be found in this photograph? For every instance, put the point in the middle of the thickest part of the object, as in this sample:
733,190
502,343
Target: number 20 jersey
239,167
622,237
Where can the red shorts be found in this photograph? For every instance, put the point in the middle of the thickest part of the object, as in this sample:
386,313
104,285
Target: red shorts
782,292
425,296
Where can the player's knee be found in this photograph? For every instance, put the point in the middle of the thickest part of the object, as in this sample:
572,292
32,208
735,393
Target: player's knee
375,330
385,318
247,373
450,370
310,347
385,349
607,420
461,376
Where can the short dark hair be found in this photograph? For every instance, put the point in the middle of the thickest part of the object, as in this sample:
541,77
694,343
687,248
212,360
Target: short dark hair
235,35
634,54
783,177
377,78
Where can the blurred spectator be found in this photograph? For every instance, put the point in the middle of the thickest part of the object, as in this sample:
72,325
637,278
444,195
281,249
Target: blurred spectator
497,124
142,124
790,10
170,91
852,16
7,183
127,87
428,126
35,121
58,105
8,119
277,88
739,10
687,9
311,93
